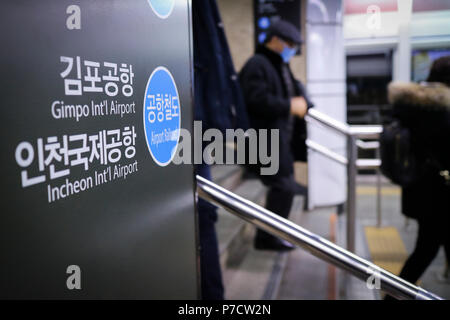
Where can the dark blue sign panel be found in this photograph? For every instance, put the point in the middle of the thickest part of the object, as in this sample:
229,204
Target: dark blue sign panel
94,94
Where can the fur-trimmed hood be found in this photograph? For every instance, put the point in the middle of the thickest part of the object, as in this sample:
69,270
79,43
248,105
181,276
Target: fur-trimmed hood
432,96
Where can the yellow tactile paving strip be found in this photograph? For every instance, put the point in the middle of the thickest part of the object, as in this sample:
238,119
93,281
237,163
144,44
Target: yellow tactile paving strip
386,248
385,191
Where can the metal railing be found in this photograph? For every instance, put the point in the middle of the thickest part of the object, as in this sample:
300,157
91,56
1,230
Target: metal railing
316,245
353,134
374,145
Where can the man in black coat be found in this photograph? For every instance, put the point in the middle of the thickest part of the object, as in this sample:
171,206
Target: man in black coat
275,100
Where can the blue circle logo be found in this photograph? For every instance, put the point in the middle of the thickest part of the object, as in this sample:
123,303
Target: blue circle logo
264,22
162,8
262,37
162,116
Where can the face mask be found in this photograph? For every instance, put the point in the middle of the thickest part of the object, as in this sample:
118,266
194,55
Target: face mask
288,53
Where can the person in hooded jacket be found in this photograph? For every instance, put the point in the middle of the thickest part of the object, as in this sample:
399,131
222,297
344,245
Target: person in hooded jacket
425,110
275,100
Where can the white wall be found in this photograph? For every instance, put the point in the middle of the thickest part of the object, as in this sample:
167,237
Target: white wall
326,80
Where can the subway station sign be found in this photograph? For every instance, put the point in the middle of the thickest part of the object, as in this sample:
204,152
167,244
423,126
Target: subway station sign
93,97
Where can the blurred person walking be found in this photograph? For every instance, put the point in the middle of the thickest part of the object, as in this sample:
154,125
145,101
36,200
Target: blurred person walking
424,109
275,100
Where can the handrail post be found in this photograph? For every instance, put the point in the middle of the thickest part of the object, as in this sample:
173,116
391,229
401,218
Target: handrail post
378,192
353,133
352,155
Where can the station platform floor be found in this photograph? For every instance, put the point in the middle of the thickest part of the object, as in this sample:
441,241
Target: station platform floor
295,275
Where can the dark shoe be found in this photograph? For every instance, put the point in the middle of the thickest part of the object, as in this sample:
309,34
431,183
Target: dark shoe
301,189
274,244
305,203
248,174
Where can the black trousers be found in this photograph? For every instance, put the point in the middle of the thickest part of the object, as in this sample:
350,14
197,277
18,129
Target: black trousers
433,232
210,273
279,201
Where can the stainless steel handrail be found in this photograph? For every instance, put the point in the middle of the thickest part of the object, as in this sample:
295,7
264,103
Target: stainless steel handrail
369,131
360,163
315,115
371,145
368,163
352,133
326,152
316,245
